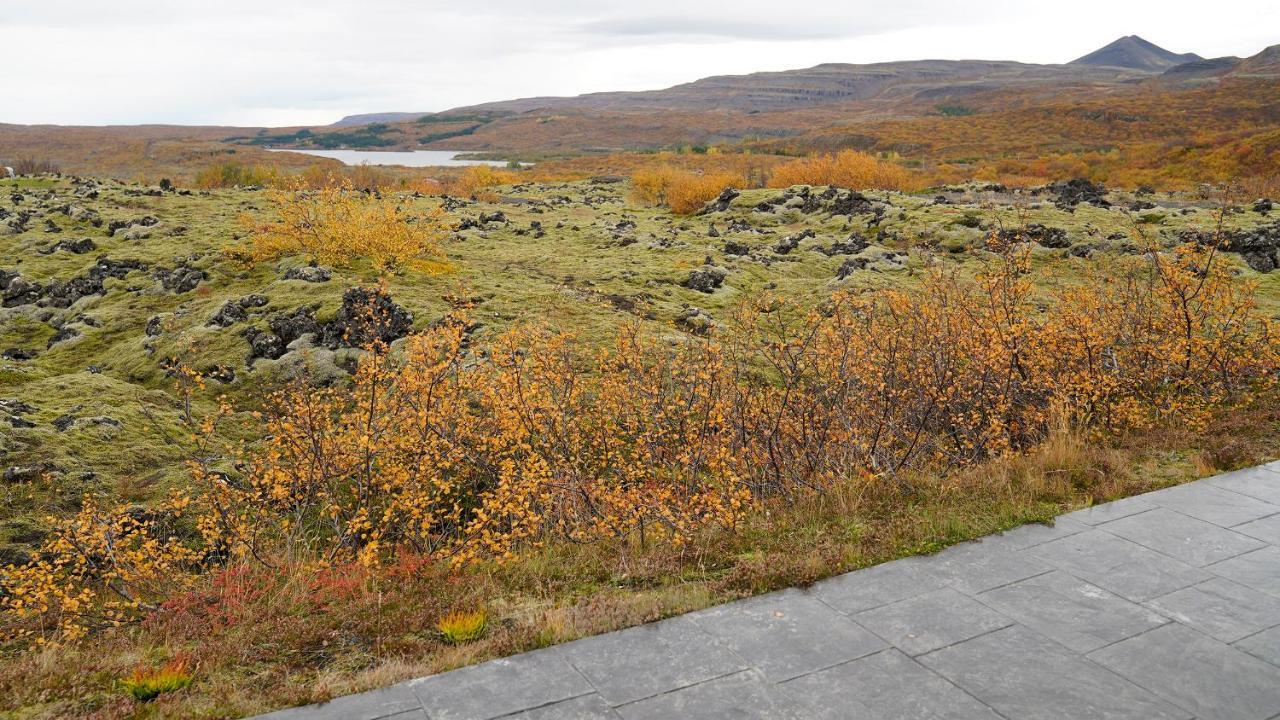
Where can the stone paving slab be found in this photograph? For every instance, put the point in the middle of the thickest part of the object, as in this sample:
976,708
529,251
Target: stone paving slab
1165,605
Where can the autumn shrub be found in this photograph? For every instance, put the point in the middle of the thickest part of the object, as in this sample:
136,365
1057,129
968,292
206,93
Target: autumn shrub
684,191
848,168
337,224
232,174
105,566
456,454
479,178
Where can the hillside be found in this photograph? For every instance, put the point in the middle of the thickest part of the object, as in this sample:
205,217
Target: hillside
1134,53
950,118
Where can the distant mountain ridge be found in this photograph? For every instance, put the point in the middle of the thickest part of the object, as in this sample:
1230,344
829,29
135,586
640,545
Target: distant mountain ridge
1127,59
1135,53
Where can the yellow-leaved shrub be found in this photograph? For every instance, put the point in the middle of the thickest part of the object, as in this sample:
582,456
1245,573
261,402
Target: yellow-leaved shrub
847,168
337,224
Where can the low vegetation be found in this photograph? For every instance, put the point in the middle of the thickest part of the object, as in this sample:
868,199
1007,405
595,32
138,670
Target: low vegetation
847,168
558,447
337,225
686,190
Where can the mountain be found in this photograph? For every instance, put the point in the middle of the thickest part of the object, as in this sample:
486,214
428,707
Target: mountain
1264,64
382,117
1134,53
925,80
1126,60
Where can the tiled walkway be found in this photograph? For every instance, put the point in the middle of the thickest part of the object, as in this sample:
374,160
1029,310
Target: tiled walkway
1165,605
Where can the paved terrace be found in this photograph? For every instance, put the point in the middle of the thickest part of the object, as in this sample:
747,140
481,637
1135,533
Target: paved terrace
1165,605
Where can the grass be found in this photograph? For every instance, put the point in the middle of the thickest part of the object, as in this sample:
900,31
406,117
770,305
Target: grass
146,684
460,627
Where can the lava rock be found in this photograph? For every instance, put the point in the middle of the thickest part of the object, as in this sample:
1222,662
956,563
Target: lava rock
309,273
706,279
791,242
180,279
721,203
367,315
1078,190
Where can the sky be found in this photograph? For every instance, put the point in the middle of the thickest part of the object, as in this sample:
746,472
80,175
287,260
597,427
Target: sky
310,62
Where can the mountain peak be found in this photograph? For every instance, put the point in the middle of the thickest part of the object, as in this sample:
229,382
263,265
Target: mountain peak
1135,53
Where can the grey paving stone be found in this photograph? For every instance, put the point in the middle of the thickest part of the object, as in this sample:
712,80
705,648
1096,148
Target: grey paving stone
1223,609
1121,566
745,695
499,687
1182,537
397,702
973,567
1106,512
928,622
1023,675
785,634
1032,534
884,686
1260,482
1265,645
1212,504
587,707
1266,529
875,586
643,661
1080,615
1259,570
1200,674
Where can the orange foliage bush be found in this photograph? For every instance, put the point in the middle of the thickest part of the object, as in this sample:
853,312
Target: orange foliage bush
683,191
478,178
462,456
336,224
232,174
848,168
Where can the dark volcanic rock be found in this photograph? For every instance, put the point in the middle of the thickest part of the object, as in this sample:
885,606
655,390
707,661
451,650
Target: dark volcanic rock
366,315
1076,191
63,335
851,203
309,273
706,279
855,244
1050,237
791,242
1258,247
63,294
721,203
180,279
234,311
850,266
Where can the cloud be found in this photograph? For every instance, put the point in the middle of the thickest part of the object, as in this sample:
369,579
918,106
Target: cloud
306,61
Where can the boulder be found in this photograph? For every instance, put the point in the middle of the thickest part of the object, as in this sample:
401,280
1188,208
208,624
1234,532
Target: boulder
706,279
308,273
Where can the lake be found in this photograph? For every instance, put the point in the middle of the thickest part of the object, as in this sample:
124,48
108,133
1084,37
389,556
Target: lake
408,158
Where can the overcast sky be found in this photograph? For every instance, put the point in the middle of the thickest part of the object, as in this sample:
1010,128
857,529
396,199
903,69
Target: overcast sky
295,62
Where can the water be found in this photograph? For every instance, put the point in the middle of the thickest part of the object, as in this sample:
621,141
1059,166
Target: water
407,158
